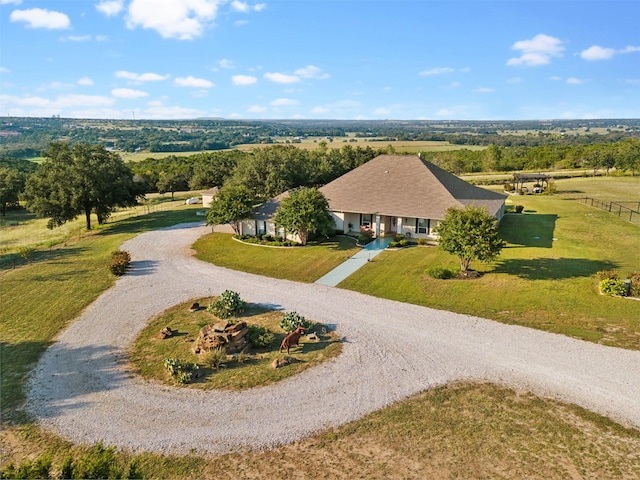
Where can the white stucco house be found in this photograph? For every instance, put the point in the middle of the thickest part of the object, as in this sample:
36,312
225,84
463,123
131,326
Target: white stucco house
402,194
389,195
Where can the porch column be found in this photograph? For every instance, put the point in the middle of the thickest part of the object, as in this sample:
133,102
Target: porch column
377,226
399,226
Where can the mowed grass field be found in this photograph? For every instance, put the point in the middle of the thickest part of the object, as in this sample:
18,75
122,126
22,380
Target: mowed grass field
455,431
299,264
545,278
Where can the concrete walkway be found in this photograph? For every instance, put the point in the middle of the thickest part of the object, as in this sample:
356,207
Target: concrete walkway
342,271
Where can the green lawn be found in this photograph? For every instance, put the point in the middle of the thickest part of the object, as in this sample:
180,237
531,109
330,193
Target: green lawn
545,278
302,264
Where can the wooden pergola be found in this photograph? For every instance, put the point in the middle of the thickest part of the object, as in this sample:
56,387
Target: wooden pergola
519,179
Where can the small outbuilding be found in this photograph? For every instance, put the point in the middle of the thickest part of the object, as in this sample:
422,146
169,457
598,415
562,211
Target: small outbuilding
207,196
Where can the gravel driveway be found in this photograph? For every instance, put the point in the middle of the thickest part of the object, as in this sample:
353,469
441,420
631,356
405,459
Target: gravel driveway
82,391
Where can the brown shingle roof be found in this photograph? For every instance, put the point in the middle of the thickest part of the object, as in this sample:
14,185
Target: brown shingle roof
267,210
405,186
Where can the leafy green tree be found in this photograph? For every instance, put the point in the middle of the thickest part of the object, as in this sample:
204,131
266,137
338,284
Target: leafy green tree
630,155
231,205
78,179
11,185
172,183
303,212
471,234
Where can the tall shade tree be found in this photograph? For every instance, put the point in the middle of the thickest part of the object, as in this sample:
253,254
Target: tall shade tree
79,179
11,184
303,212
231,205
471,234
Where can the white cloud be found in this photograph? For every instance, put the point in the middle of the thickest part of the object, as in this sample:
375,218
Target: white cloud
437,71
141,77
62,101
319,110
630,49
193,82
77,38
256,109
597,52
4,70
7,2
284,102
311,71
54,86
41,18
281,77
632,81
574,81
181,19
225,63
241,23
176,112
85,81
243,80
484,90
244,7
128,93
110,7
536,51
239,6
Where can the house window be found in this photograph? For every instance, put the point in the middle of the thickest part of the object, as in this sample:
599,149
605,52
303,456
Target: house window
262,227
365,220
422,225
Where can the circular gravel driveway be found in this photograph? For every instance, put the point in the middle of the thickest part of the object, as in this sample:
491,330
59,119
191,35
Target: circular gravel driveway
81,388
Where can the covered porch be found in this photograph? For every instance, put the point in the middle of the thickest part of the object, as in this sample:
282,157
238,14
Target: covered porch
379,225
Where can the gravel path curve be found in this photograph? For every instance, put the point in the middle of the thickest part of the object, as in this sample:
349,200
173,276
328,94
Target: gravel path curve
81,390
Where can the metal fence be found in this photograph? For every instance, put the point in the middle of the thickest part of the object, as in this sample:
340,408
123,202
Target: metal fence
630,211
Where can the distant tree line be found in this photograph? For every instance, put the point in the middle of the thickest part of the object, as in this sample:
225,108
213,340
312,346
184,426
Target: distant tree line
623,155
265,172
28,137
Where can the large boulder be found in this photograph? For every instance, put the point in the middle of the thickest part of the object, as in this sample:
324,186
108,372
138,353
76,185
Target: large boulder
222,334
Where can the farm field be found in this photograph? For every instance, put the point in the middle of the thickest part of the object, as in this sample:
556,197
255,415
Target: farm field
462,430
400,146
311,144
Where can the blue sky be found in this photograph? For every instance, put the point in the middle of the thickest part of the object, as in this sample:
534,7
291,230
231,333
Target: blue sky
320,59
